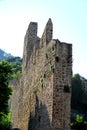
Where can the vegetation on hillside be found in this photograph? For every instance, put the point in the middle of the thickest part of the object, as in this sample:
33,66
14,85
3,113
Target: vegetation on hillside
5,92
9,69
79,103
79,123
4,55
79,93
16,63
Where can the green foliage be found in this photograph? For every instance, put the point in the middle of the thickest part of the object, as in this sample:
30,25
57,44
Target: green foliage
16,63
79,102
5,92
5,70
17,67
52,68
8,70
5,121
16,75
79,118
79,95
79,123
41,81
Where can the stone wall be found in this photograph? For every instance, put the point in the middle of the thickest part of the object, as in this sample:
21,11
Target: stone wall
41,98
62,87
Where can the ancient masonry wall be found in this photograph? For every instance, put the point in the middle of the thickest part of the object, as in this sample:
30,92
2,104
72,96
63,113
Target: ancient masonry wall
41,98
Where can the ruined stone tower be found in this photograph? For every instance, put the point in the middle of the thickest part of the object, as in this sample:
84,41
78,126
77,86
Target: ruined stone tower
41,99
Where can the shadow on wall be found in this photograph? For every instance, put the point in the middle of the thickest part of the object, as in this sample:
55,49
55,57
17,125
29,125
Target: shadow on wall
40,119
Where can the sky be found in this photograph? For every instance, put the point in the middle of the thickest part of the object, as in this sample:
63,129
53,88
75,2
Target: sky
69,19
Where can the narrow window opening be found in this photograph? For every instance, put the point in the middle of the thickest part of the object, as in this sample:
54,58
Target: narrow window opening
57,59
66,89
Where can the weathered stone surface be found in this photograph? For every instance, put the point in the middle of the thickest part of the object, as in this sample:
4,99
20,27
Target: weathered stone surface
41,98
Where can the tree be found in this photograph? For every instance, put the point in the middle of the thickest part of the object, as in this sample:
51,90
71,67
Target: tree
79,123
77,90
16,66
79,95
5,92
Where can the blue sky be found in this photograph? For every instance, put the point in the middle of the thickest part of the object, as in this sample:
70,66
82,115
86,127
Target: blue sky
69,25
